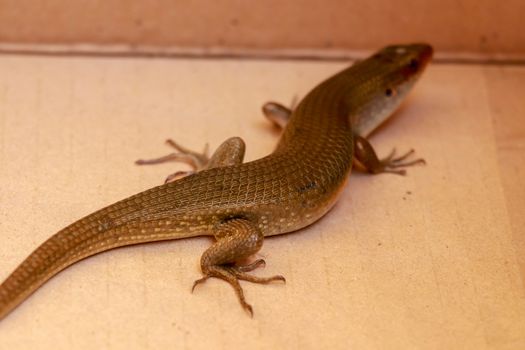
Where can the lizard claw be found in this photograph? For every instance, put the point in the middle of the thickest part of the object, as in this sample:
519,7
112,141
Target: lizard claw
199,281
232,275
389,163
250,267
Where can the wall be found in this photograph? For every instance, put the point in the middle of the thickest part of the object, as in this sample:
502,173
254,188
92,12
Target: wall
331,27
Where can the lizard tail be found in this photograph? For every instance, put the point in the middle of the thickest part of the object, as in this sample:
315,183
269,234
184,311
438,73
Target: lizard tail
118,225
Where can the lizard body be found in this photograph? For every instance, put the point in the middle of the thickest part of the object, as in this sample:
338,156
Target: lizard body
240,203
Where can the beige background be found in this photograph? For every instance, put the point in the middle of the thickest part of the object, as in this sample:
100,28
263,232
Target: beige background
467,28
432,260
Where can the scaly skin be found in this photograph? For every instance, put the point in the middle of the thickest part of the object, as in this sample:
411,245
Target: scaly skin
242,203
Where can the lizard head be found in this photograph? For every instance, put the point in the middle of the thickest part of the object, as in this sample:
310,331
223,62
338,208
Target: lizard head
403,62
387,77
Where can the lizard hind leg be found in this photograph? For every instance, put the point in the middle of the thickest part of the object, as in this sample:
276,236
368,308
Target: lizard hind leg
230,152
237,239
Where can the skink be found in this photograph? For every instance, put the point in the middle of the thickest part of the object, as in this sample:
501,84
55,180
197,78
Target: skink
241,203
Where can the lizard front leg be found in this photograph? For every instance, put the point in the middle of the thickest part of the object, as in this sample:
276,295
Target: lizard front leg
237,239
277,113
364,153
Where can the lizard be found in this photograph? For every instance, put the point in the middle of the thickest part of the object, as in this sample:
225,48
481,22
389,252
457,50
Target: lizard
240,203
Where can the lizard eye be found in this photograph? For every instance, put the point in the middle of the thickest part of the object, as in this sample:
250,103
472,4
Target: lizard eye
389,92
413,64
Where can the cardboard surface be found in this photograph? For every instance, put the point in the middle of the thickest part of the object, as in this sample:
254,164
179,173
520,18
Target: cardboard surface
432,260
487,28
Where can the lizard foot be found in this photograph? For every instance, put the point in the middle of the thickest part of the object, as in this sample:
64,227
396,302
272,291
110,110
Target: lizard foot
196,160
391,163
367,157
232,275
